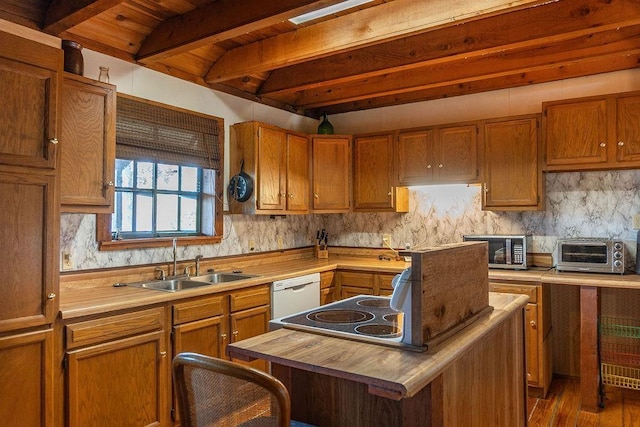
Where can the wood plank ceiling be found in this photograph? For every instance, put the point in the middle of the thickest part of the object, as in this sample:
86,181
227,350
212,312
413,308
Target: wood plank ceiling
382,53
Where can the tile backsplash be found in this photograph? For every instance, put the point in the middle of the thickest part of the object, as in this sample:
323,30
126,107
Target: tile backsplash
578,204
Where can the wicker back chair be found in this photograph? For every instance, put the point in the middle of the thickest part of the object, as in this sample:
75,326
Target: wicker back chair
217,392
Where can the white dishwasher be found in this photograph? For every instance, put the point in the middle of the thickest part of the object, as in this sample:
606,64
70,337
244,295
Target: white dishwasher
294,295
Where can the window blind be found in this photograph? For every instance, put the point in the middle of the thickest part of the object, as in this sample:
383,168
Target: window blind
148,131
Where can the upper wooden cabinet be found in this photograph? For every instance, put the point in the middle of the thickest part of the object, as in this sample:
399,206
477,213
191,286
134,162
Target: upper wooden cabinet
437,155
373,187
512,168
87,147
594,133
331,159
29,83
278,162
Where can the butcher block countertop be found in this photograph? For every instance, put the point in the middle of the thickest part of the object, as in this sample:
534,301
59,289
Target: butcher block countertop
389,372
85,294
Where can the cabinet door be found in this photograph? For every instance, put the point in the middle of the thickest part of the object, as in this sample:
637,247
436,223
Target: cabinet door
576,134
531,344
384,284
26,375
628,130
87,146
331,173
250,323
119,383
457,151
298,173
207,336
29,243
513,179
413,163
372,171
271,173
30,101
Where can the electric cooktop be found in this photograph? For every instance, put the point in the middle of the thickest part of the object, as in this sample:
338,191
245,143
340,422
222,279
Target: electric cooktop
362,318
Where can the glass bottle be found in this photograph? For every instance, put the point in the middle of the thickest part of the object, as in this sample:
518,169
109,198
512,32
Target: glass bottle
104,74
325,128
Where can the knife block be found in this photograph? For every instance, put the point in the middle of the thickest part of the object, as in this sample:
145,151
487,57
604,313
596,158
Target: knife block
321,253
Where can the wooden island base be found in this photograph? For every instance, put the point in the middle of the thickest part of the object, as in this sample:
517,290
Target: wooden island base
477,377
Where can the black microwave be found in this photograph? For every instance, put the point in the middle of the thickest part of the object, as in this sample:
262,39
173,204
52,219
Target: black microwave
506,251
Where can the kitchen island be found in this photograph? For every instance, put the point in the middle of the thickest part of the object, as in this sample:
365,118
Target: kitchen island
475,377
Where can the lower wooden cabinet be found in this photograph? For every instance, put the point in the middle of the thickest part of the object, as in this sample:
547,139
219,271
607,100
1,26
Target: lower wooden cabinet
537,330
116,371
352,283
327,287
26,379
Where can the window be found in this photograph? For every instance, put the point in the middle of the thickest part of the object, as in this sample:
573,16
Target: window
168,162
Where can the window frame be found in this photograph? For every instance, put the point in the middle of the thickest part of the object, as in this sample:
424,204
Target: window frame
211,228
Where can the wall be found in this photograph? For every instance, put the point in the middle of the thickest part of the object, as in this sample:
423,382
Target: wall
578,204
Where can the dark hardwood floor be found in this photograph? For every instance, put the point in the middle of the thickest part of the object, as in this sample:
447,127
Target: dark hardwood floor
561,407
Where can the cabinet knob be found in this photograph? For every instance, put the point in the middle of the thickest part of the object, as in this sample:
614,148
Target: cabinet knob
440,165
110,184
234,336
316,195
51,296
533,324
620,143
291,195
603,144
163,354
223,336
53,141
428,166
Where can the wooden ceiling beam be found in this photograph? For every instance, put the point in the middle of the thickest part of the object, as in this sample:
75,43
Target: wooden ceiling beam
478,38
461,70
575,69
217,21
63,14
372,25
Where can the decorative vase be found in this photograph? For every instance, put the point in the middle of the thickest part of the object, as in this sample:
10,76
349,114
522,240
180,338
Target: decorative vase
73,61
325,128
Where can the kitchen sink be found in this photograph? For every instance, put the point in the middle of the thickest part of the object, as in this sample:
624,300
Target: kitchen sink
182,283
212,278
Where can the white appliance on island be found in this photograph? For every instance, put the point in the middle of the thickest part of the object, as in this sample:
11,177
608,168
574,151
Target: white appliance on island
295,294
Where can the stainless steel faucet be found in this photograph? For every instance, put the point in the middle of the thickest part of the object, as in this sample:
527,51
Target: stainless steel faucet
175,254
198,258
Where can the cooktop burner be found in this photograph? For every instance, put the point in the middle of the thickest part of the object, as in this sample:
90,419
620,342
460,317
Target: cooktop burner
364,317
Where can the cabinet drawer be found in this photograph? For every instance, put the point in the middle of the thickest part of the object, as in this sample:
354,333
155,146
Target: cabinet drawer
112,327
357,279
250,298
198,309
529,290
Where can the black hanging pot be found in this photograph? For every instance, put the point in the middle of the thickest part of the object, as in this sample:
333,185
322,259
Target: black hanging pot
241,185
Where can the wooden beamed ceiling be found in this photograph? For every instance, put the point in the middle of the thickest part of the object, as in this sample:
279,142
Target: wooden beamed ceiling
383,53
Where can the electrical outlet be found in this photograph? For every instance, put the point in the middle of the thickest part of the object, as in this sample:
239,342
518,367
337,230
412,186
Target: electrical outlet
252,245
67,261
636,222
280,243
386,240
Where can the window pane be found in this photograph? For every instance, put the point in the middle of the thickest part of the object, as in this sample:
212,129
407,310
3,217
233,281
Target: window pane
168,177
145,175
124,173
124,212
188,214
189,179
167,212
144,212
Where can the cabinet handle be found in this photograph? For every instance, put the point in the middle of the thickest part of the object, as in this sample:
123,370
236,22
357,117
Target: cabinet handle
110,184
234,335
428,166
51,296
390,193
486,189
533,324
620,143
54,141
291,195
163,354
224,337
316,195
440,165
603,144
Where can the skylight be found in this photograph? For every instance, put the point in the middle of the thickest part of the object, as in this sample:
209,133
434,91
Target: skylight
339,7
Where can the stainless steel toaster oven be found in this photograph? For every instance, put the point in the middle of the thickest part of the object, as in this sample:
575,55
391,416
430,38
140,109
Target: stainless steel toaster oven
590,254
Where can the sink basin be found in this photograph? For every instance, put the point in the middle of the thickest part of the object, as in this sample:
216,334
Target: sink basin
170,285
212,278
180,284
